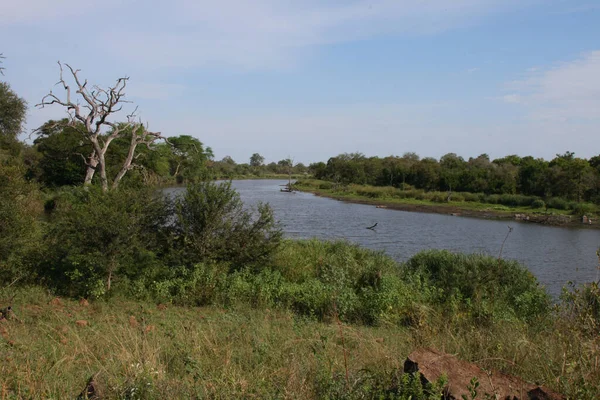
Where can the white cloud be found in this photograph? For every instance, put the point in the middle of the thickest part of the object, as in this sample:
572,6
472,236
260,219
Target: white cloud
274,33
28,11
568,91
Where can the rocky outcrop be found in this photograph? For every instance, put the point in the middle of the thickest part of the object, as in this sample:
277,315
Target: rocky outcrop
462,375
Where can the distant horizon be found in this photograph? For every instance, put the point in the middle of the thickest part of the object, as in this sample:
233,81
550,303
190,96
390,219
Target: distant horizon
313,79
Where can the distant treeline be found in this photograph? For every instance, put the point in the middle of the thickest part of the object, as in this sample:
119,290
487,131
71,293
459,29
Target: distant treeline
566,176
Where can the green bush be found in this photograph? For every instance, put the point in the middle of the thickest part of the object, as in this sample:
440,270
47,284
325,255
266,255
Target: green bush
472,197
20,230
212,224
97,239
538,203
557,203
481,285
581,209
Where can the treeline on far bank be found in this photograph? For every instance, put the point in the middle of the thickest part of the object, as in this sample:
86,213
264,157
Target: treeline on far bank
512,180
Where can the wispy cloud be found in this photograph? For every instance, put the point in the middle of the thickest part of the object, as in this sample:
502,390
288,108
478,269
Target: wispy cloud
567,91
237,33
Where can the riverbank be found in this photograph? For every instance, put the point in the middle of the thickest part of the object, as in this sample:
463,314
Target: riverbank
352,194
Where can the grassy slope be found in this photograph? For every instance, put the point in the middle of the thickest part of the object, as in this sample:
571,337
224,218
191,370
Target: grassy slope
178,352
143,351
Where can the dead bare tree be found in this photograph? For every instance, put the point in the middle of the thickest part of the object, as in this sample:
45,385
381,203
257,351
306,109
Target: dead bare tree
96,113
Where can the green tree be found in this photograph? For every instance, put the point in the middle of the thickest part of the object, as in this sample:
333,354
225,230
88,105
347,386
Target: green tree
189,158
12,117
256,160
61,149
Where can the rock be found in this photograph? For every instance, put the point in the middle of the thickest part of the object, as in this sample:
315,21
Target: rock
81,323
432,365
94,389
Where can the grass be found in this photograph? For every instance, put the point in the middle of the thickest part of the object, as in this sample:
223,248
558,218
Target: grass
179,352
272,349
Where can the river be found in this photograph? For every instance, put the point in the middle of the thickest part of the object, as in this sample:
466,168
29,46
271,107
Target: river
554,255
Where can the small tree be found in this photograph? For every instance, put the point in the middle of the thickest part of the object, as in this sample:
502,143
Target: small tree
256,160
96,113
12,115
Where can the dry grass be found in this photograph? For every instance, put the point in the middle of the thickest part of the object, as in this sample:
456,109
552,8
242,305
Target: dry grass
141,350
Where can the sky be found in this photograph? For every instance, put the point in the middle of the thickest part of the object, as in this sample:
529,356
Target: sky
310,79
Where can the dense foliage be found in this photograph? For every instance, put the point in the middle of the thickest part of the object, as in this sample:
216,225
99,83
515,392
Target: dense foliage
565,177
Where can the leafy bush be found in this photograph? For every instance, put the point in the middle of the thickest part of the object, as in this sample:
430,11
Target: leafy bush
581,209
482,285
472,197
212,224
539,203
96,239
20,231
557,203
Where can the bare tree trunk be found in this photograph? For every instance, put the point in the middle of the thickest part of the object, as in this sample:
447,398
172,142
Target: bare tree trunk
127,163
103,178
92,163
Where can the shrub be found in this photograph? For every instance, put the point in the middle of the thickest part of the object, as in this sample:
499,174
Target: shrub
581,209
485,286
212,224
472,197
20,207
96,239
580,306
557,203
538,203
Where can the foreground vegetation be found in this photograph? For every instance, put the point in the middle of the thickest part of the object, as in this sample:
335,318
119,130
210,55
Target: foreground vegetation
295,329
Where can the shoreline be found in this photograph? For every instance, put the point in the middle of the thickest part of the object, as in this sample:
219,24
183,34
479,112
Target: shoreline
564,221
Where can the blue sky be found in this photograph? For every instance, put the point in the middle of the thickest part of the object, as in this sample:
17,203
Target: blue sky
311,79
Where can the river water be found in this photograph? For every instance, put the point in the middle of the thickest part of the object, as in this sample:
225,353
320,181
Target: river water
554,255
